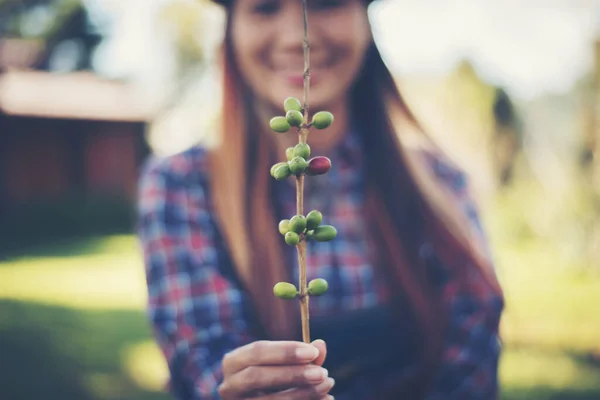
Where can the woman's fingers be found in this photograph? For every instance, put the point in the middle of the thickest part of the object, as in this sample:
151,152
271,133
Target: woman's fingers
322,388
269,353
322,347
318,392
265,378
325,386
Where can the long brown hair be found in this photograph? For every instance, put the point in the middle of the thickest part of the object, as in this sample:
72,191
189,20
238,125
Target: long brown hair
404,202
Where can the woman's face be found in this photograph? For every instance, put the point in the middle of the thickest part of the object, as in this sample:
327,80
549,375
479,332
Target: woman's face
267,37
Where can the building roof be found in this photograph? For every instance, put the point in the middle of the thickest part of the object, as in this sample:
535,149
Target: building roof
77,95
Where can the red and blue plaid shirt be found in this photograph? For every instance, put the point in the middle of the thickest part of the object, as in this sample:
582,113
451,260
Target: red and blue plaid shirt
199,313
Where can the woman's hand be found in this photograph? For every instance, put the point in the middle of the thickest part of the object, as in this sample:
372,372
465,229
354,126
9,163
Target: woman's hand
274,370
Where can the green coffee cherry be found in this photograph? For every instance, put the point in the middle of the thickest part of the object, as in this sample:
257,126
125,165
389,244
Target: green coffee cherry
289,153
279,124
302,150
297,224
322,119
284,226
285,290
309,234
294,118
317,287
324,233
297,165
313,219
292,238
292,104
282,172
274,167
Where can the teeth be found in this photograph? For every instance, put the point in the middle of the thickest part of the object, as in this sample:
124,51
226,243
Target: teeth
298,66
296,69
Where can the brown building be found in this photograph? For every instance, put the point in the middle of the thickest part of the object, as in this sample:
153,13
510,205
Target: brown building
67,142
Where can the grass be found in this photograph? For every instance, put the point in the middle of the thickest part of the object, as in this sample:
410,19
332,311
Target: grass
551,322
58,352
78,307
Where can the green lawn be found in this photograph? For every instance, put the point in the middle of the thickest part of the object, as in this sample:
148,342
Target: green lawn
75,310
72,322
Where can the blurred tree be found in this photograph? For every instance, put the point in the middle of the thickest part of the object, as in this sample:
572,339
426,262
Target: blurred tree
486,124
61,28
584,184
594,140
473,100
508,136
190,31
590,160
585,90
182,21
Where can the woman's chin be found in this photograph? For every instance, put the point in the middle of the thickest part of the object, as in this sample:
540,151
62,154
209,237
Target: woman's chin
318,94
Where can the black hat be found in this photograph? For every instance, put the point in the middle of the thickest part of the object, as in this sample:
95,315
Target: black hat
227,3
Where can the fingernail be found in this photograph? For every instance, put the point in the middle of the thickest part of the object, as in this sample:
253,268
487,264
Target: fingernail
332,382
307,353
315,374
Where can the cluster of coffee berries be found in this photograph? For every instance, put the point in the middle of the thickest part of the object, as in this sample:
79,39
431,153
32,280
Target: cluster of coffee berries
299,162
298,157
300,227
293,117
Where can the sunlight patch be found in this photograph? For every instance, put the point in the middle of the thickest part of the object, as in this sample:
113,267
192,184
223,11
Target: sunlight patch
529,368
146,366
94,281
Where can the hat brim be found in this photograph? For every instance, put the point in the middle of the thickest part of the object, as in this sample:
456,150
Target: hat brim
227,3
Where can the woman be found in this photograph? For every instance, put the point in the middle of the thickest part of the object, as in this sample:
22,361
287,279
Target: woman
413,306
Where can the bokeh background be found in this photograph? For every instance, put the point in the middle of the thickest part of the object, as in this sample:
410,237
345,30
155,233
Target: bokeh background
89,88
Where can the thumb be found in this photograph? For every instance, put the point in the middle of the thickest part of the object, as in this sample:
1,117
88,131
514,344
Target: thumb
322,347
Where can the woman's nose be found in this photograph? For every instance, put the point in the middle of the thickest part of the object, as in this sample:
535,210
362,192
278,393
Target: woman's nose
290,33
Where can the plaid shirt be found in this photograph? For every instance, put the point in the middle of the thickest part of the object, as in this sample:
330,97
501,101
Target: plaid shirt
198,311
